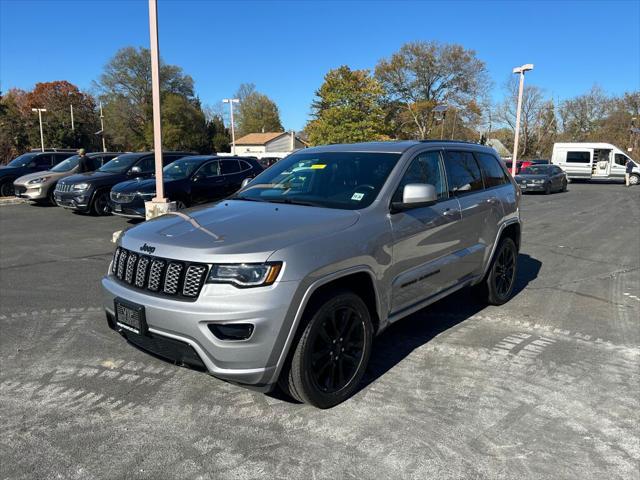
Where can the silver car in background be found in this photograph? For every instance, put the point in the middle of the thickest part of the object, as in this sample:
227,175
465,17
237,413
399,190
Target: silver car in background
288,281
39,186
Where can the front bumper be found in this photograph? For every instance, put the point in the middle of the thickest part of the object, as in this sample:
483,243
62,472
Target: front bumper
134,209
250,362
36,192
73,200
531,187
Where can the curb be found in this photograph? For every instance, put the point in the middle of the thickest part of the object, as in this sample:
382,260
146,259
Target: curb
12,201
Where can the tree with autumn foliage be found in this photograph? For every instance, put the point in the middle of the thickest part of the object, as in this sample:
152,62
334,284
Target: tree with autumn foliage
20,126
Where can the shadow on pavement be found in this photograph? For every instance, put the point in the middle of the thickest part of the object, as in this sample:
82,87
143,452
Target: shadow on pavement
401,338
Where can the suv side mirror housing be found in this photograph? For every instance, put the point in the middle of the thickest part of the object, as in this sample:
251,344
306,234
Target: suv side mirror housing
135,170
245,182
415,195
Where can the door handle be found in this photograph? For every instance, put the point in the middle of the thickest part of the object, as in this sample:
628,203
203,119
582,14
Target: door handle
492,200
448,212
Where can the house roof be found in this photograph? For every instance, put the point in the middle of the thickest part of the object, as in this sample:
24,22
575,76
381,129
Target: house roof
259,138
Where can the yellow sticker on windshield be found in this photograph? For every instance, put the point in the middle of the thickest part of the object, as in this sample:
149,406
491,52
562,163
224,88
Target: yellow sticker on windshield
318,166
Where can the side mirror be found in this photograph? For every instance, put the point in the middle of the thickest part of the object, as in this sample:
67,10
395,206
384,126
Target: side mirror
245,182
197,177
135,170
415,195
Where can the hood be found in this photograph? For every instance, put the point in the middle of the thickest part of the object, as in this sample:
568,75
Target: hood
523,176
143,185
47,173
5,170
93,177
238,230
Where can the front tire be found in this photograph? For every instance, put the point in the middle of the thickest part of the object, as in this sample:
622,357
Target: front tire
499,283
332,353
100,205
564,186
7,189
547,189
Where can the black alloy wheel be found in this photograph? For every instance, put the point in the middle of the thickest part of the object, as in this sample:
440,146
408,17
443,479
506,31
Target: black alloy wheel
502,275
332,353
100,205
547,188
337,349
564,185
7,189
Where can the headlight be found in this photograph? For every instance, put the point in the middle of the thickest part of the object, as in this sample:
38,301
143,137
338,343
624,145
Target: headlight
81,186
38,180
245,274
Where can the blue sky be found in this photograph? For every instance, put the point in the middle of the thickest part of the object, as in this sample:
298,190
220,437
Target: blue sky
285,48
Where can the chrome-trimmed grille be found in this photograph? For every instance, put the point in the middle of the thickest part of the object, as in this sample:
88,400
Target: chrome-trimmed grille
162,276
63,187
172,278
193,280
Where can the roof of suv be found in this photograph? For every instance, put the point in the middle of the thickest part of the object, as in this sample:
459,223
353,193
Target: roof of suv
399,146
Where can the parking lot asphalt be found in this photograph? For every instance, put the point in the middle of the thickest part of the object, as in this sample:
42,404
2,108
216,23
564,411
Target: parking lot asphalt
544,387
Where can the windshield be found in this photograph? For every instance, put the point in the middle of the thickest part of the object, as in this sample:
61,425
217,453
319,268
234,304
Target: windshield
536,170
22,161
120,164
66,165
182,168
345,180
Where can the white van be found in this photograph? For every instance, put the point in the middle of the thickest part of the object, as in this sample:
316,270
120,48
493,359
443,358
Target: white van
593,161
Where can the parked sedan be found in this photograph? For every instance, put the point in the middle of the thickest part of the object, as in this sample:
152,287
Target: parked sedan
39,186
542,178
187,181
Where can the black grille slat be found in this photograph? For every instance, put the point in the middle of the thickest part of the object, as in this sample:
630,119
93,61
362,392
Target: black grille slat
162,276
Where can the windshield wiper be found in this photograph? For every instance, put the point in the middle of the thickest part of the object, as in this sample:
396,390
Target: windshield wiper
247,199
288,201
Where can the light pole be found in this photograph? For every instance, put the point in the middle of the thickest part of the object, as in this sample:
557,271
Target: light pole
231,101
72,126
104,146
520,71
442,110
40,110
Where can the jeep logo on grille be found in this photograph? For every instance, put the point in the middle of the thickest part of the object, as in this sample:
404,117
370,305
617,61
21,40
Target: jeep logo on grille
147,248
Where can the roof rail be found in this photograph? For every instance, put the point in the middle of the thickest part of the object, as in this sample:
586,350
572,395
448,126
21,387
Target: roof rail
448,141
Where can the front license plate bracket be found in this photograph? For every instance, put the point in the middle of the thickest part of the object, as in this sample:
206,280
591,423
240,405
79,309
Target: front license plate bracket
130,316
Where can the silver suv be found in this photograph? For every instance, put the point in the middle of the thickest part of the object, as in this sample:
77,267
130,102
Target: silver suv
288,281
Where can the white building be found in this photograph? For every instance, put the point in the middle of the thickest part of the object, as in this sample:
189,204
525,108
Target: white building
259,144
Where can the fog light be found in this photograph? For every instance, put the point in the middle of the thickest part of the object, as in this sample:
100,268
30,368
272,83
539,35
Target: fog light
231,331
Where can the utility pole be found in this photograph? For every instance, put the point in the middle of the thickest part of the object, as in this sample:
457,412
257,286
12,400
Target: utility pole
104,146
40,110
520,71
231,101
72,126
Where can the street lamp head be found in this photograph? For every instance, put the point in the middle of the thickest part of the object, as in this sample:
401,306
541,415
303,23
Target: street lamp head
523,68
38,109
230,100
440,108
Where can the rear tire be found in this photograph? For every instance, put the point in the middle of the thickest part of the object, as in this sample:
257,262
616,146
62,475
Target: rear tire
7,189
497,287
332,354
100,204
634,179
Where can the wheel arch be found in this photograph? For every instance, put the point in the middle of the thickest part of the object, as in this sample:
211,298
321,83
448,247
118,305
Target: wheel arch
512,230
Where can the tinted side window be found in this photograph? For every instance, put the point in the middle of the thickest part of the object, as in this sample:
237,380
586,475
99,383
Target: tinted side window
491,170
56,159
210,169
578,157
244,166
147,164
621,159
42,161
425,168
463,173
229,166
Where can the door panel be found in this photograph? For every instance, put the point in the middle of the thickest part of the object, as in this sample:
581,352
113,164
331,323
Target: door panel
211,185
424,239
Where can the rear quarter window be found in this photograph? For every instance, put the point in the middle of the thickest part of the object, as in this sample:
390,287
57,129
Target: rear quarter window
492,171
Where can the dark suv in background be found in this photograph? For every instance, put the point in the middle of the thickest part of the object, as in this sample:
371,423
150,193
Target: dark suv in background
187,181
89,192
28,163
